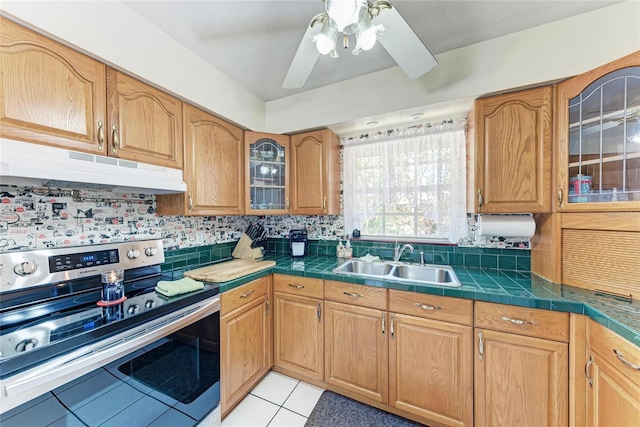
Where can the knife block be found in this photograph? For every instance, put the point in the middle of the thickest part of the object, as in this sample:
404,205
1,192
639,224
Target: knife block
243,249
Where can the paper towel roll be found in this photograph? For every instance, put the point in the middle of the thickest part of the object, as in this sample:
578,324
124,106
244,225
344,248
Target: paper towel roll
506,225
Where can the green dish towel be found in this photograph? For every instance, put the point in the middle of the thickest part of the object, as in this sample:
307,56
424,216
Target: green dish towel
177,287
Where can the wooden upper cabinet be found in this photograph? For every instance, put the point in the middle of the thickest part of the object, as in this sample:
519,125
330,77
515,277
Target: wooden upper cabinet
213,168
49,93
315,173
513,152
145,124
598,139
266,173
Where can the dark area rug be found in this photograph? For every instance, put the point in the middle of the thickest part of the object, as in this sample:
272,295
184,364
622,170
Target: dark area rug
338,411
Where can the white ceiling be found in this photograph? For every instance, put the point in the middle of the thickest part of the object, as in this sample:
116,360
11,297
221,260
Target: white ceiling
253,42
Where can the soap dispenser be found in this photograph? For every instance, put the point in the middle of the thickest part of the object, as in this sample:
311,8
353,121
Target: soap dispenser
340,250
348,251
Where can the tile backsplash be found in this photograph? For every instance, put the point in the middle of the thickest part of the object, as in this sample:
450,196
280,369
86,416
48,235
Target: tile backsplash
36,218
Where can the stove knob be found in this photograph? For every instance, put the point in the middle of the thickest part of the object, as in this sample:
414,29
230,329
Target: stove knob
25,268
26,345
150,251
149,303
133,309
133,253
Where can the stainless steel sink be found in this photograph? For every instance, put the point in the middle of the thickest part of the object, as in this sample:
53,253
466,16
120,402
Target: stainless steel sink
415,273
365,268
420,273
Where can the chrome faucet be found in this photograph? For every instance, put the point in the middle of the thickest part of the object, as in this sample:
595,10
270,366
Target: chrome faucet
398,251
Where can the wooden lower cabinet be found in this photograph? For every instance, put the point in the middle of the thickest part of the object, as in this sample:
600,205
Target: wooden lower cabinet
298,335
245,334
356,349
613,392
520,380
431,369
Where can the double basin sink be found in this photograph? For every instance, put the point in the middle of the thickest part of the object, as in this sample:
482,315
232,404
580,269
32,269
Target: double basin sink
386,270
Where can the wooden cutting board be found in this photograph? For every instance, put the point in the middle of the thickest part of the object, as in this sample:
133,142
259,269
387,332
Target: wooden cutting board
228,270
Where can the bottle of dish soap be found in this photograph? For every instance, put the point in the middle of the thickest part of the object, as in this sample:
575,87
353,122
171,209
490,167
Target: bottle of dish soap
348,251
340,250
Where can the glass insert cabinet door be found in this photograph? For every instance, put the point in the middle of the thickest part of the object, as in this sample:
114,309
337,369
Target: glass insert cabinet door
268,173
604,140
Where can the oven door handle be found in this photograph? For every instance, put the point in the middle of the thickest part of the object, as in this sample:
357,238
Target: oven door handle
77,363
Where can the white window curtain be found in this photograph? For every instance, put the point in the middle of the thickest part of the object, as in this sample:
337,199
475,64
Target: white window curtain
409,183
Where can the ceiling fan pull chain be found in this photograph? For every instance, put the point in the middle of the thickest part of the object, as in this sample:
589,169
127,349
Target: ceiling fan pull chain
345,41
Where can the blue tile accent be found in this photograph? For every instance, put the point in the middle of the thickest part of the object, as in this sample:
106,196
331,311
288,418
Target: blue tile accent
96,412
41,414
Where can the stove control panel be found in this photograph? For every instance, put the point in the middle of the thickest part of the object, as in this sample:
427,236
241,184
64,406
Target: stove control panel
20,270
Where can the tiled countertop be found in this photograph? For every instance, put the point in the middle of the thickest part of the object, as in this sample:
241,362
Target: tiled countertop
499,286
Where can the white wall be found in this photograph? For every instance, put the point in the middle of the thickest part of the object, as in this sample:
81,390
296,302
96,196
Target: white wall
115,34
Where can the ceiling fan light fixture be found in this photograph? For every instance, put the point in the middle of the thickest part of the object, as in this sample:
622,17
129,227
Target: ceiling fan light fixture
367,35
325,40
344,12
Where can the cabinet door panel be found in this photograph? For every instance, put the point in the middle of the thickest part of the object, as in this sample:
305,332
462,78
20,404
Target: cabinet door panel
49,93
315,173
213,164
245,346
520,381
356,350
431,369
298,335
614,400
513,152
145,124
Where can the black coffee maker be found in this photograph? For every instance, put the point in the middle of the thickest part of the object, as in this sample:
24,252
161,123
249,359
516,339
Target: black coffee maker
298,243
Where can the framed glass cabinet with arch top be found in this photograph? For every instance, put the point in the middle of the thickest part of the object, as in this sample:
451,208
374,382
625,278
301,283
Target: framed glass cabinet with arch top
598,135
267,174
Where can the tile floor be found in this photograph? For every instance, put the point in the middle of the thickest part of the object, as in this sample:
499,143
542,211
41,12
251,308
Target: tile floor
277,401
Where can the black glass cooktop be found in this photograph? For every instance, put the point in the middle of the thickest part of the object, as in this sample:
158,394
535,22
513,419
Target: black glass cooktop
32,334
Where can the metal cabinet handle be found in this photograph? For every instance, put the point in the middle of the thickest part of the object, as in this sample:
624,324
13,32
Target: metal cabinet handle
480,346
383,328
266,302
480,201
287,204
189,202
100,135
625,361
319,313
393,332
560,196
353,295
587,366
426,307
324,204
296,286
518,321
115,140
246,294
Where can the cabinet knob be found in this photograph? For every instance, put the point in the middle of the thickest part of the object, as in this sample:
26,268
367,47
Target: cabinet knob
189,202
480,199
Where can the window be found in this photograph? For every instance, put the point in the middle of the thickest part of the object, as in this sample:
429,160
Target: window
409,183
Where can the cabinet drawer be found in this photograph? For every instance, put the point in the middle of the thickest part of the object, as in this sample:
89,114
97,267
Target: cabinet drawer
532,322
298,285
616,350
241,295
455,310
349,293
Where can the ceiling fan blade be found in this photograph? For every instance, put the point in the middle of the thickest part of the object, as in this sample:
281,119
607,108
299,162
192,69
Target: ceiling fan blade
304,60
403,44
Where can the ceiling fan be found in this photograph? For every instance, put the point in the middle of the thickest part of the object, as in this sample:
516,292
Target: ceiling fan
369,22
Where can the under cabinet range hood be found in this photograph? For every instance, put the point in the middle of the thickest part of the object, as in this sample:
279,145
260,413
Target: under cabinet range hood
36,165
